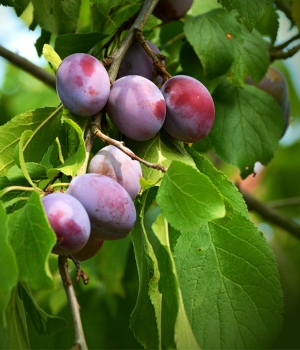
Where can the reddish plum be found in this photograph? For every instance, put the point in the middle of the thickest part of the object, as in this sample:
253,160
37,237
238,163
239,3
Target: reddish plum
136,107
91,248
170,10
137,62
69,220
112,162
82,84
190,109
110,208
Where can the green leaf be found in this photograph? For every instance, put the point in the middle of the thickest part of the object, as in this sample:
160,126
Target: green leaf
57,16
35,171
268,25
176,331
52,57
250,10
161,149
43,39
192,66
73,163
231,292
45,124
9,268
214,37
68,44
251,59
45,325
104,6
32,240
16,197
145,329
222,183
19,156
248,126
14,334
112,274
188,198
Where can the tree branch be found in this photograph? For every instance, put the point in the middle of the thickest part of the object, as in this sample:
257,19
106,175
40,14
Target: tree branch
121,50
28,67
157,59
80,343
286,43
271,215
280,54
287,202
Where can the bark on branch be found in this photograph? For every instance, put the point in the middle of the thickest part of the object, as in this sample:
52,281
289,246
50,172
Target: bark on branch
271,215
28,67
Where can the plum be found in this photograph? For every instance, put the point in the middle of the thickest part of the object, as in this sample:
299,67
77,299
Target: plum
190,109
82,84
136,107
112,162
137,62
69,220
275,84
110,208
170,10
91,248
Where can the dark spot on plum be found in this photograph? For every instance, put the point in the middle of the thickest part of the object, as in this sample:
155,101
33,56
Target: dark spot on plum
87,66
167,89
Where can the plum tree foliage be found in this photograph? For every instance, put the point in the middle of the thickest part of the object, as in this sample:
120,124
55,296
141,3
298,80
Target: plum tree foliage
127,172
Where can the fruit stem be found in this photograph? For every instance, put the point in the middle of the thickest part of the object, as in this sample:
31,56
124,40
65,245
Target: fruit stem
156,58
121,146
80,342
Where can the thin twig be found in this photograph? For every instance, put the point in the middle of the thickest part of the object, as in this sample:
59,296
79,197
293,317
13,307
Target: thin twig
271,215
80,342
157,59
80,274
121,50
120,145
28,67
286,43
280,54
287,202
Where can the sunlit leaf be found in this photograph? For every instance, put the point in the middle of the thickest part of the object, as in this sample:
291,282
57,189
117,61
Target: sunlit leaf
32,240
188,198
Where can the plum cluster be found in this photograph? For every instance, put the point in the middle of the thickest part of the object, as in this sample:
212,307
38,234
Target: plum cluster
135,104
97,206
